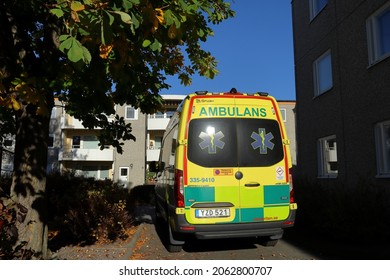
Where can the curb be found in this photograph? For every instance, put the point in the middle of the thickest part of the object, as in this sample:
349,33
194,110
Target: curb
132,243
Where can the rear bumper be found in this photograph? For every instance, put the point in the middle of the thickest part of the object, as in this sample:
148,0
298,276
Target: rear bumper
274,230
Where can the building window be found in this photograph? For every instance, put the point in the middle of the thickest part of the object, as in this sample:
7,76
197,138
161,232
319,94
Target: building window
157,142
131,113
327,157
90,142
316,6
50,143
382,141
283,112
378,34
76,142
8,143
322,70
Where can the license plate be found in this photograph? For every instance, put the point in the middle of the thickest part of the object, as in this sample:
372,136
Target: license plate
212,213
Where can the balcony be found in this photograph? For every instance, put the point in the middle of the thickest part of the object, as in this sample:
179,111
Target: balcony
69,122
157,123
152,154
86,155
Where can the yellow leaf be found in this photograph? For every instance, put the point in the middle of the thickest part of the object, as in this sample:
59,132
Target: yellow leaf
75,16
105,50
77,6
160,15
14,104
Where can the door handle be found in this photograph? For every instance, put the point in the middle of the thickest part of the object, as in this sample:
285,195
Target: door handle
254,184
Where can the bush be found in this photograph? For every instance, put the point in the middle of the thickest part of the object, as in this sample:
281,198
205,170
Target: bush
80,211
333,209
87,210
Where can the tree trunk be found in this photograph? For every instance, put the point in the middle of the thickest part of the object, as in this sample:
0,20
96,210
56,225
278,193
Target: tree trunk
29,180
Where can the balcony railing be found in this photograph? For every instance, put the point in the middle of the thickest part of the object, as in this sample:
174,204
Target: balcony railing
152,154
69,122
86,155
157,123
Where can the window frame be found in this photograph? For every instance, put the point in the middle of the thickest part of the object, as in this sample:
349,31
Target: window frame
383,163
283,113
323,159
373,36
50,143
75,146
135,113
314,9
317,74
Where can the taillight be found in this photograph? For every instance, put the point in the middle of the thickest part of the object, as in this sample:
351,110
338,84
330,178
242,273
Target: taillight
179,188
292,200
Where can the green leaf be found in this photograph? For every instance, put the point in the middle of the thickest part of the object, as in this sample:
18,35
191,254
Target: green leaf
146,43
76,52
66,42
110,18
126,18
87,55
135,20
57,12
127,5
156,46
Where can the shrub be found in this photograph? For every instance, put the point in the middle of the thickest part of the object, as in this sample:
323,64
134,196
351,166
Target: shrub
87,210
80,210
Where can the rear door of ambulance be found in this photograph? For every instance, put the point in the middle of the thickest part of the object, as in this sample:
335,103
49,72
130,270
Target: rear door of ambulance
234,168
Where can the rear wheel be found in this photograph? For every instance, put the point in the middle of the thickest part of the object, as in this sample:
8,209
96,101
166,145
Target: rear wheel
174,245
266,241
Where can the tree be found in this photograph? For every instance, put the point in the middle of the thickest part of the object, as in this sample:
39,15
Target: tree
91,54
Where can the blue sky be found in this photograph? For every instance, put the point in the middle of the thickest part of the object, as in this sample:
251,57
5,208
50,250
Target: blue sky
254,51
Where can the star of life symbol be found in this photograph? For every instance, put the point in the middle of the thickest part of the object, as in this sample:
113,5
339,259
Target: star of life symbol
262,141
211,140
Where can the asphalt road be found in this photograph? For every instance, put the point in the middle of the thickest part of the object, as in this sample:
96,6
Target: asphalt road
296,245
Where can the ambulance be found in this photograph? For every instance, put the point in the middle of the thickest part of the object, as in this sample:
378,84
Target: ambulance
225,170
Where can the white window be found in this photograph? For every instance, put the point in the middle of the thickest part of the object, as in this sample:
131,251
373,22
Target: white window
327,157
382,141
131,113
283,112
378,34
322,71
316,6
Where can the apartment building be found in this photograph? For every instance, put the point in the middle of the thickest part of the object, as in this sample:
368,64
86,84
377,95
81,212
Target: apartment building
342,68
73,148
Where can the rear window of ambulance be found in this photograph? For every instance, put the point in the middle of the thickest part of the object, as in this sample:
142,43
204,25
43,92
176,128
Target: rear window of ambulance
231,142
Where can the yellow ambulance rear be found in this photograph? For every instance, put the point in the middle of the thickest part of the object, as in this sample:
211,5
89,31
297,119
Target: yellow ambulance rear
225,170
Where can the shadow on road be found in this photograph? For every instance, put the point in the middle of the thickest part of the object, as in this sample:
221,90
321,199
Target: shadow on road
330,248
320,246
316,244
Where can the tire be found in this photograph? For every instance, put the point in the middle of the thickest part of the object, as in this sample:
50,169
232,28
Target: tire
174,245
267,242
